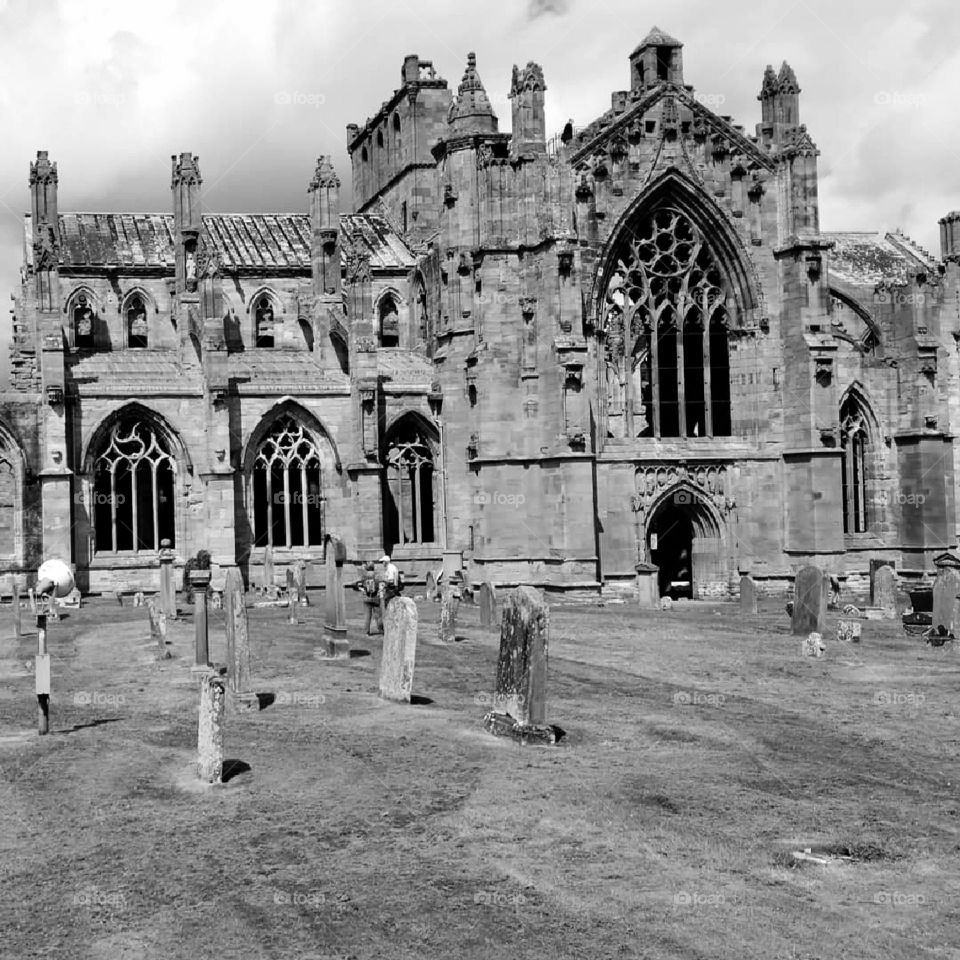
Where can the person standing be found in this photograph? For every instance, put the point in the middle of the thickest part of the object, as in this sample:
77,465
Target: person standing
390,584
371,597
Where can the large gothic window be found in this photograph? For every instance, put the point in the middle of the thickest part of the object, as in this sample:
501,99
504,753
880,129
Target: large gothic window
666,322
8,507
410,500
133,489
137,323
287,490
854,442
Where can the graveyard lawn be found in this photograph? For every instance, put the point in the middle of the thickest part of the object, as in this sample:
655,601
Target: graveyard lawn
700,753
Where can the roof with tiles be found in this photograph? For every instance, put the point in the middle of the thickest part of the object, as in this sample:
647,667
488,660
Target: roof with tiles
242,241
867,258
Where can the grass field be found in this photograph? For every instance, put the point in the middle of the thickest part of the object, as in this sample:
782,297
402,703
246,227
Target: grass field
699,752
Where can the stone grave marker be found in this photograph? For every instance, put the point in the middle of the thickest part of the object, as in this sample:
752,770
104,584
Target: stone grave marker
431,586
885,591
520,700
748,596
399,649
488,605
301,580
945,590
449,607
168,587
811,589
268,585
238,640
138,599
72,600
216,600
335,609
812,646
291,596
210,729
158,626
17,612
848,631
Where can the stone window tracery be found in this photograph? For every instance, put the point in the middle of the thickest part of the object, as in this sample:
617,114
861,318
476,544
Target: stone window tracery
666,324
854,441
287,490
410,499
83,320
133,490
137,337
263,316
8,507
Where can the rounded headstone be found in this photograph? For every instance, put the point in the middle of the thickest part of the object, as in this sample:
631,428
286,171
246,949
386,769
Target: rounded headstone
59,574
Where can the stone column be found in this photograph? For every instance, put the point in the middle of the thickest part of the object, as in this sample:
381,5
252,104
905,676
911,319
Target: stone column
302,583
238,642
449,606
168,586
519,706
200,583
210,729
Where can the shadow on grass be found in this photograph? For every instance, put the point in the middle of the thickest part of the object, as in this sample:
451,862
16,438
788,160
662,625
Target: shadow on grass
265,699
356,654
233,768
84,726
417,701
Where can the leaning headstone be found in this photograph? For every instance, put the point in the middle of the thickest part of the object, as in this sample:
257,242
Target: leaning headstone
335,608
885,591
158,626
945,590
748,596
520,700
210,729
488,604
812,646
301,580
811,590
449,606
848,631
238,643
399,649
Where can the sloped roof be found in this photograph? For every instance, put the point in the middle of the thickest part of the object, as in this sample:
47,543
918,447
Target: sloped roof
659,38
258,240
867,258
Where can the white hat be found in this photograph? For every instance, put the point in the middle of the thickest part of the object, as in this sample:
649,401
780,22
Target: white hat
385,558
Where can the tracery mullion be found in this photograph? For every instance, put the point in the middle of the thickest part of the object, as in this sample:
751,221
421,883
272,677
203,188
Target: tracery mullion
134,512
304,497
679,325
268,471
286,504
155,502
113,504
707,322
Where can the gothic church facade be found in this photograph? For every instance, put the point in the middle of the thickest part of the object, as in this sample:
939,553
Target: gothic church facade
564,359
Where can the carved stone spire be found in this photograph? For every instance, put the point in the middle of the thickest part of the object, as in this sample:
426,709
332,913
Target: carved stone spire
529,121
471,111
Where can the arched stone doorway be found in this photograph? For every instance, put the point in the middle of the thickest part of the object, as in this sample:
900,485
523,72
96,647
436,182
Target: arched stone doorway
684,540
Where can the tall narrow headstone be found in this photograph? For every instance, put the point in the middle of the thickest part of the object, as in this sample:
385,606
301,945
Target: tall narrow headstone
945,589
449,606
520,700
199,583
399,649
158,626
168,586
811,591
238,643
488,604
268,570
291,596
748,596
430,586
210,729
885,591
335,606
17,619
302,584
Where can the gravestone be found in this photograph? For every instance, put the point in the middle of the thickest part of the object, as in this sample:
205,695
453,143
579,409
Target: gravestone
811,590
199,581
238,642
519,704
488,605
431,586
812,646
17,613
168,588
138,599
119,595
210,729
848,631
216,600
884,590
748,596
449,607
945,590
302,584
291,596
53,610
268,584
335,610
72,600
399,649
158,626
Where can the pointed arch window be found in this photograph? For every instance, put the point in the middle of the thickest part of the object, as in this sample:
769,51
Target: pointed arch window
389,322
264,322
9,507
287,488
410,500
133,489
136,313
83,321
666,320
854,442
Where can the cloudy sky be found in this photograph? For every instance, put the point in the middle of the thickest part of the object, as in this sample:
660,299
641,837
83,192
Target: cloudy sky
111,89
